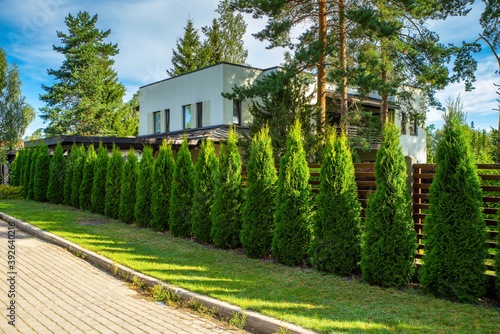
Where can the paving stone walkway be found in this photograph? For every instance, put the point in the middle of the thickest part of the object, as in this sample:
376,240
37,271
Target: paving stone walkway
57,292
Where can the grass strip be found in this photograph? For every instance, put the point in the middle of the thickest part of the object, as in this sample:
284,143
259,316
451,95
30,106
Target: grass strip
322,302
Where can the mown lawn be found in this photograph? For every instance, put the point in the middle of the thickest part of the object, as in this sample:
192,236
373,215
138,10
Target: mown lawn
318,301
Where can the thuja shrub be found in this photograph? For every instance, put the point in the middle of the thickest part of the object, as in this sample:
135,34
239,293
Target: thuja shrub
163,173
88,179
76,182
31,186
455,243
127,193
143,189
181,198
42,174
98,196
390,239
292,217
16,169
26,172
497,266
55,191
22,169
258,209
228,197
114,183
204,187
68,178
336,245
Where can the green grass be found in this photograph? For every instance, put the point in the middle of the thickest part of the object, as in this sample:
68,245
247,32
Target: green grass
318,301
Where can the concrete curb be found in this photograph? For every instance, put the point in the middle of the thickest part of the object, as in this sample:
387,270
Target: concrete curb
255,322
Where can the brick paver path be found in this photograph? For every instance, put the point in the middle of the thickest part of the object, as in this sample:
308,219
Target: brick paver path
57,292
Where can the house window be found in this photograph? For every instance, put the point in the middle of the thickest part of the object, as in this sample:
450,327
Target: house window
237,112
157,121
186,116
167,120
413,125
403,123
199,114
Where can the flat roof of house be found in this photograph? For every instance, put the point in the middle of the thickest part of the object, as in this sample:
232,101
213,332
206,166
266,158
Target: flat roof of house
218,64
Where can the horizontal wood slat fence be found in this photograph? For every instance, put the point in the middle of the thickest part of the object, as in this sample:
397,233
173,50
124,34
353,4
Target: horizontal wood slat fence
423,174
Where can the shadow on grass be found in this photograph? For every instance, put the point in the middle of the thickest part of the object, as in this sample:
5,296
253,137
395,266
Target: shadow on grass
322,302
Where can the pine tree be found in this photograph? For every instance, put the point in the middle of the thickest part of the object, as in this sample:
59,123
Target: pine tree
336,246
204,188
88,179
34,157
258,209
390,239
181,198
127,193
231,31
68,178
163,173
86,93
114,183
228,196
55,191
27,170
455,243
42,174
190,54
98,197
292,217
143,215
77,177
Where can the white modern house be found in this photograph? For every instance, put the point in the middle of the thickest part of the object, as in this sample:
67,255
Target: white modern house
191,104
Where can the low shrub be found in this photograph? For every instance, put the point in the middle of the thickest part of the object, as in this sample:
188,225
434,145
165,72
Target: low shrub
11,192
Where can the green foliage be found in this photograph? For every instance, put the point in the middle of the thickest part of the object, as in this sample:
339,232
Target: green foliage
127,193
113,183
76,181
27,171
31,186
86,93
42,173
143,214
68,178
292,217
22,166
55,191
126,121
163,174
204,188
455,243
181,198
258,209
390,239
336,246
15,113
16,168
98,197
11,192
228,197
88,179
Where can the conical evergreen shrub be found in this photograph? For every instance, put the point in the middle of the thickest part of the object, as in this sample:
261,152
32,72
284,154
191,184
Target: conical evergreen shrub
42,174
27,170
455,242
22,167
228,197
292,218
34,157
258,209
336,245
98,197
55,191
204,188
15,169
143,214
163,174
76,181
114,183
181,198
129,183
390,238
68,178
88,179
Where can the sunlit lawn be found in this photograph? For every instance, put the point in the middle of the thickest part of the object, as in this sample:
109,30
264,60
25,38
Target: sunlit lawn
318,301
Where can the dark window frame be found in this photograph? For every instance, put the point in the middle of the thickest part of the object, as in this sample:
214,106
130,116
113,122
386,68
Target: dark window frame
167,120
413,125
155,124
184,107
237,104
199,114
403,123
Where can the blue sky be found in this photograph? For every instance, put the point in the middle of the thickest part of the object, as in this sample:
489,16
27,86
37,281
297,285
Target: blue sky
146,32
